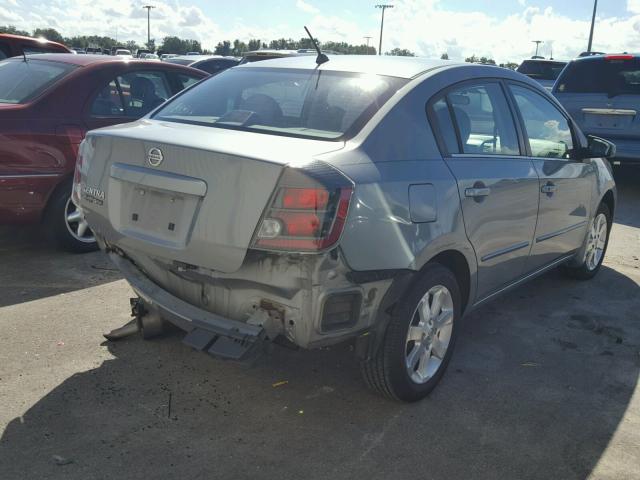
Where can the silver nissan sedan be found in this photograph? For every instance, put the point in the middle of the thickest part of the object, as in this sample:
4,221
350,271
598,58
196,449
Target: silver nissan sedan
366,199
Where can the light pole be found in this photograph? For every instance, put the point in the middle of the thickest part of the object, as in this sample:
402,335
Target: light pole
537,42
383,7
593,23
148,7
368,38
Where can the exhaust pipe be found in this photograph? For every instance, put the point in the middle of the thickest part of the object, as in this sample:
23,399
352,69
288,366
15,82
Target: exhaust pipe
149,323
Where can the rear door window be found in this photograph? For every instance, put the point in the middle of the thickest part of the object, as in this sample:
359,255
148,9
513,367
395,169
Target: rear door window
108,102
484,123
142,92
601,75
445,125
22,81
547,128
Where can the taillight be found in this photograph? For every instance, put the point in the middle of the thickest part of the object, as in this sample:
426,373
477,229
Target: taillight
77,178
308,210
614,57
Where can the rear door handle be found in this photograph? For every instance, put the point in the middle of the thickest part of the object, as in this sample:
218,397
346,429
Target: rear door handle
549,188
477,192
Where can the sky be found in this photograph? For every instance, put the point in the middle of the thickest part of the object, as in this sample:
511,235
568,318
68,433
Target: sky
500,29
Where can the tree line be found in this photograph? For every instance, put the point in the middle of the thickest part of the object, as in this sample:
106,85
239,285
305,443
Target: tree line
173,44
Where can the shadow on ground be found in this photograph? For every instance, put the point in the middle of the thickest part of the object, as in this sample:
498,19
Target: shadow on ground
628,184
540,381
34,268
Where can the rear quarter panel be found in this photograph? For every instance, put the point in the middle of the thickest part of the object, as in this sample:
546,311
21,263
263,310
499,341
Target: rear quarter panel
396,150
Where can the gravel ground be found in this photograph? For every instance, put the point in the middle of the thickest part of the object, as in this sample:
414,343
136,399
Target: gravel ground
543,384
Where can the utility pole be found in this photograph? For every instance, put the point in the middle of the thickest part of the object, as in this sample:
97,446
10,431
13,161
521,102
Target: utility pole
148,7
537,42
368,38
593,23
383,7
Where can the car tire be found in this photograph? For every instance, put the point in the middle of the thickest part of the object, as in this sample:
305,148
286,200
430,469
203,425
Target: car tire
63,223
399,371
595,248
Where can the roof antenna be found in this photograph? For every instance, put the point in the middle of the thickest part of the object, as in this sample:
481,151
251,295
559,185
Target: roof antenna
321,58
24,55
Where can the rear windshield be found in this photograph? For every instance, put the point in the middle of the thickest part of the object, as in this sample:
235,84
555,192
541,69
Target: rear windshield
611,77
20,80
541,70
299,103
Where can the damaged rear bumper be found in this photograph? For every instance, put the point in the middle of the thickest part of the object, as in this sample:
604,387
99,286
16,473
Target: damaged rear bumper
206,331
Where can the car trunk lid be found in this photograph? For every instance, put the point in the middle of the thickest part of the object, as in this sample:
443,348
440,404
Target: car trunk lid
195,197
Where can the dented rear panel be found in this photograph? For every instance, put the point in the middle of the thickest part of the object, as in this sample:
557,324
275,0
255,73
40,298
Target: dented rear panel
195,196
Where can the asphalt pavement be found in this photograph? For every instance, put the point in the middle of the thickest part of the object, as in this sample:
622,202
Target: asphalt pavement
543,384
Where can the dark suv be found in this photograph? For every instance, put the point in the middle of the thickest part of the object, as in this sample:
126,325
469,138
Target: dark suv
602,94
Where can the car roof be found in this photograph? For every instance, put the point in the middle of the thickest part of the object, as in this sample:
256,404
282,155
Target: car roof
603,56
403,67
91,60
43,41
197,58
543,60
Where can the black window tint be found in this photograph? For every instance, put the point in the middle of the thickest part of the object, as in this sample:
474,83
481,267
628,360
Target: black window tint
547,128
445,125
541,70
614,77
214,66
108,103
484,121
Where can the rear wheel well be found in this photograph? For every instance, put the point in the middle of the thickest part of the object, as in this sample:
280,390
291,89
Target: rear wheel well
457,263
64,183
609,201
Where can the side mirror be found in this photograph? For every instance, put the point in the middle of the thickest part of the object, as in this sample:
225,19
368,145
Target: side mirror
599,148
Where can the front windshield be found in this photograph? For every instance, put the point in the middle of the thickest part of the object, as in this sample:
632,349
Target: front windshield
21,80
301,103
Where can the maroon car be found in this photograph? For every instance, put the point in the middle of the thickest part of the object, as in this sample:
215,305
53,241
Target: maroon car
47,104
15,45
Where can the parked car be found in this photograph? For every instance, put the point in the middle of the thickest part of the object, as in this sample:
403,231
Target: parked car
16,45
142,52
46,106
366,199
602,94
543,71
150,56
207,63
123,53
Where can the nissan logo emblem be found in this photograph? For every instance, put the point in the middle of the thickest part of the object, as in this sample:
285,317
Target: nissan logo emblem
155,157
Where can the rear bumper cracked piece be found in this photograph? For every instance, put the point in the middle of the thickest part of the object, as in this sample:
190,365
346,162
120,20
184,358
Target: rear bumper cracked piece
206,331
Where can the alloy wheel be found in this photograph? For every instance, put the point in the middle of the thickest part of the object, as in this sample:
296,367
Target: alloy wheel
429,334
76,224
596,241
